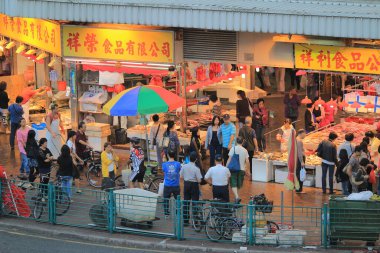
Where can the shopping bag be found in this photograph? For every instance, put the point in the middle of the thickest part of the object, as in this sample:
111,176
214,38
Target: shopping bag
234,164
161,190
302,174
165,142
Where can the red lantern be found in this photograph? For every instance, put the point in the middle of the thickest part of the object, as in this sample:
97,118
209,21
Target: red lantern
355,105
306,101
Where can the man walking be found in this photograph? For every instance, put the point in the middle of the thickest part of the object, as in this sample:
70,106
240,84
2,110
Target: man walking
171,171
237,177
249,138
227,132
327,151
15,111
218,177
192,176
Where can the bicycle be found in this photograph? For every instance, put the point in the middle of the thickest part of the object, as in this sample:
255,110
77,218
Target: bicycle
219,219
62,199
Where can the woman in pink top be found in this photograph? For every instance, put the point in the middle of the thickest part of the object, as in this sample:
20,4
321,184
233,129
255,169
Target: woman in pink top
22,135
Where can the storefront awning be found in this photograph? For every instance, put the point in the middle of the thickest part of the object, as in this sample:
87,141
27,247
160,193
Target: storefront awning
125,69
336,18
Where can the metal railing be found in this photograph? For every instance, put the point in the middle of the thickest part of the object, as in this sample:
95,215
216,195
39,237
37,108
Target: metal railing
148,214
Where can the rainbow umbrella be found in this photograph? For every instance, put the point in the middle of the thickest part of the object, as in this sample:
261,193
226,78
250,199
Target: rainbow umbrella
143,100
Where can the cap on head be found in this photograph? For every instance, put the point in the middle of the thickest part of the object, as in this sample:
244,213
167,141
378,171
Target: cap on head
218,158
226,116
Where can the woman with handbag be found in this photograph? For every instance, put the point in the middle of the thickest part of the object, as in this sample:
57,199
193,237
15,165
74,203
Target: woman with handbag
109,164
71,138
155,138
170,141
237,162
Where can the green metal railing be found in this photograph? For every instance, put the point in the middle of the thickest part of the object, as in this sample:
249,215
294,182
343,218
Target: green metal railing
248,224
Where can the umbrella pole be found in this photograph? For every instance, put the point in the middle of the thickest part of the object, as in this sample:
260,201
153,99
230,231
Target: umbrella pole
11,193
147,141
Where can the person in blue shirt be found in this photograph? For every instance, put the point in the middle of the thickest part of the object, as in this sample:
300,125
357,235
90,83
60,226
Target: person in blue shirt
227,133
16,113
171,171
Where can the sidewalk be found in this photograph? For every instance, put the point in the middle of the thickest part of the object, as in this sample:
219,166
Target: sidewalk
141,242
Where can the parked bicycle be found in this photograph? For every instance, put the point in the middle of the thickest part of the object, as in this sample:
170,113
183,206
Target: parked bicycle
62,199
219,219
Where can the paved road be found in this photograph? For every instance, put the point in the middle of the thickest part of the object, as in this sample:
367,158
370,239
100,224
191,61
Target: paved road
17,242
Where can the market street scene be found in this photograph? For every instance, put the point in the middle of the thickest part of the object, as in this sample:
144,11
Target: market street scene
187,126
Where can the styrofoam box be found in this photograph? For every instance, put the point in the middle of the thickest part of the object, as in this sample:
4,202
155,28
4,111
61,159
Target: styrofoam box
90,107
318,180
269,239
280,175
239,237
291,236
292,232
259,231
262,170
104,133
310,181
136,205
97,142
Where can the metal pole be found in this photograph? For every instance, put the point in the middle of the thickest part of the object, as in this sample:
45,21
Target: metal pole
292,208
184,109
250,223
282,207
325,216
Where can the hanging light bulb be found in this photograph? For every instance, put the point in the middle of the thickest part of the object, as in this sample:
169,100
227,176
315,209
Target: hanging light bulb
306,101
257,69
20,49
243,76
10,45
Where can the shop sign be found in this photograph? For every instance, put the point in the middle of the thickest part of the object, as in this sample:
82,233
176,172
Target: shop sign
340,59
38,33
121,45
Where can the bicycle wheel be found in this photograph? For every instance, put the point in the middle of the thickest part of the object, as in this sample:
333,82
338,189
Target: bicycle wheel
62,202
94,176
198,219
155,184
229,227
119,181
213,228
38,208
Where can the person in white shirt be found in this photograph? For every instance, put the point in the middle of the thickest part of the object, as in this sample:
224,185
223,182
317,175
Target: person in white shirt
218,177
237,178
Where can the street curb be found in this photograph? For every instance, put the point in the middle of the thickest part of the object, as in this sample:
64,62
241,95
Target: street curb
58,232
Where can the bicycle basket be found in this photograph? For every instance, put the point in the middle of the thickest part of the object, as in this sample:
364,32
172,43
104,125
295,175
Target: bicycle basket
262,204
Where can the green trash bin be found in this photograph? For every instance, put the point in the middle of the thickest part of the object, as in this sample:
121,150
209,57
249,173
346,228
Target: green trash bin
353,220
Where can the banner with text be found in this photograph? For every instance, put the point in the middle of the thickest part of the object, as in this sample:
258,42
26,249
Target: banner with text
39,33
121,45
340,59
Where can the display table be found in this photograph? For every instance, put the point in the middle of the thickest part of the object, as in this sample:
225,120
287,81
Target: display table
262,170
318,180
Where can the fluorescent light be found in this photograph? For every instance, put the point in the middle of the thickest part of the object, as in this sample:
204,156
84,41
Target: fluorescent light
30,51
243,76
257,69
3,42
230,78
1,48
159,65
52,62
20,49
41,56
10,45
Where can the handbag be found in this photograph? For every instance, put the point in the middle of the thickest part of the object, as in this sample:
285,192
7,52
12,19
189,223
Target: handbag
165,142
155,137
234,165
303,174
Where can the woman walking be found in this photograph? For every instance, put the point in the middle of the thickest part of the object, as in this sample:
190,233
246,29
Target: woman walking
66,169
213,143
172,141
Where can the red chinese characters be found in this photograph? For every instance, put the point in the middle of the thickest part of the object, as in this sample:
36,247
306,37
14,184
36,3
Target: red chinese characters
32,30
166,49
357,64
131,47
306,57
73,41
107,47
141,49
119,47
90,42
339,60
154,49
322,57
373,63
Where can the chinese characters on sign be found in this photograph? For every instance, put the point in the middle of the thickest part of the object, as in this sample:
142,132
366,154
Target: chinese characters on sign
39,33
125,45
341,59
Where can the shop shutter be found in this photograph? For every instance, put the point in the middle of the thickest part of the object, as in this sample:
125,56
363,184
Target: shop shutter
216,46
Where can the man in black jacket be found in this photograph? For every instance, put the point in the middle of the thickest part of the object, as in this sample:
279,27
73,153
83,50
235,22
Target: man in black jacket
328,152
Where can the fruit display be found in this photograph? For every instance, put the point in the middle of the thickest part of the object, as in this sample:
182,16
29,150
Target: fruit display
312,141
311,160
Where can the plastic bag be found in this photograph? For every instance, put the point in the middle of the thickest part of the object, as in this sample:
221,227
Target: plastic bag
360,196
161,190
302,174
